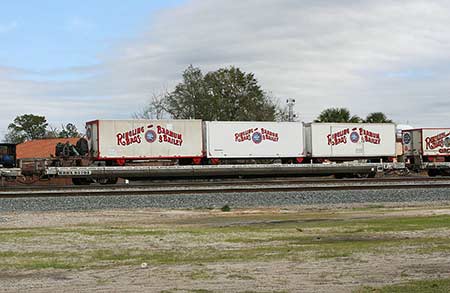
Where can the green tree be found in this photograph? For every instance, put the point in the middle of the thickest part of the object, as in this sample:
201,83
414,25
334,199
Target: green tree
189,99
339,115
26,127
69,130
377,117
227,94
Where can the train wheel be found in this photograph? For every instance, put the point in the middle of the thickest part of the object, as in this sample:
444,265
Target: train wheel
112,180
81,181
365,175
433,172
102,181
107,181
184,161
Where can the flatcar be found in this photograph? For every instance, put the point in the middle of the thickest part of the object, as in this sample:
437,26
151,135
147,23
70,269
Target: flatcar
195,142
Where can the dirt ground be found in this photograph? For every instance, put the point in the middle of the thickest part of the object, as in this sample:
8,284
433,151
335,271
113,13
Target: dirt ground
294,249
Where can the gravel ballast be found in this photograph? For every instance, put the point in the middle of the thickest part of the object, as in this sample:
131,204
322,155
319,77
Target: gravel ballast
234,200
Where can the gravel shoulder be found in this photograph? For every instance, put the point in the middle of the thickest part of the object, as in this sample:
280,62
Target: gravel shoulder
313,248
218,200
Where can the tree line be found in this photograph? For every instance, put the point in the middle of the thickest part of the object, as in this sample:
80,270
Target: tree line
343,115
227,94
28,127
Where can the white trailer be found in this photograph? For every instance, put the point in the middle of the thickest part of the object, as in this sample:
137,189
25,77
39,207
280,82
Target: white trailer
144,139
254,139
350,140
427,142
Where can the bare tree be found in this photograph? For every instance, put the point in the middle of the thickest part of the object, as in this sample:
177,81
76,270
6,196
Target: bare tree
52,132
155,109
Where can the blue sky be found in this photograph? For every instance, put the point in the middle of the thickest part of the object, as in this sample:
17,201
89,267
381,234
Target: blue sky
76,61
54,34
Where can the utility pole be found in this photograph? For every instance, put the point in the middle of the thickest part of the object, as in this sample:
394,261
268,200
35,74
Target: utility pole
291,103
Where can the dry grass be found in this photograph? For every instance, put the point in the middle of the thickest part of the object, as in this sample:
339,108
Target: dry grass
199,240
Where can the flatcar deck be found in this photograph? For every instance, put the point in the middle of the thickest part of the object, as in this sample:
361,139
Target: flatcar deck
221,170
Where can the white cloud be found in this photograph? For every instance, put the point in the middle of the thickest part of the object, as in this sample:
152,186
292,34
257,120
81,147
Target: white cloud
323,53
389,56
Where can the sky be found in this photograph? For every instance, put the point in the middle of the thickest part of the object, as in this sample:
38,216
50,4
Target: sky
75,61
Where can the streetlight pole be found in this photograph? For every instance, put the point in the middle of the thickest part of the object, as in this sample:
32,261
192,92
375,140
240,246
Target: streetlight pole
291,103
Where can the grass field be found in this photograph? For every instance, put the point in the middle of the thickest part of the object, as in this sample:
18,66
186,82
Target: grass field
367,249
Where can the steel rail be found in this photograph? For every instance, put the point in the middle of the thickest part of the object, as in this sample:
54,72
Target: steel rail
248,181
148,190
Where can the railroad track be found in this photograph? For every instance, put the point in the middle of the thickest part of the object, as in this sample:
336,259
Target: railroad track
247,181
229,186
